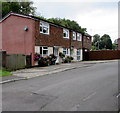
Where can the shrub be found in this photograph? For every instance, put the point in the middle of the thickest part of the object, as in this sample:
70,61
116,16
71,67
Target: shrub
62,55
46,61
68,59
52,59
37,57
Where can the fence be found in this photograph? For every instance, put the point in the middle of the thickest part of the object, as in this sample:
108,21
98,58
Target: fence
14,61
2,59
102,55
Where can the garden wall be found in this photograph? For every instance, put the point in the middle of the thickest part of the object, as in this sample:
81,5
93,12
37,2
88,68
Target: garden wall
102,55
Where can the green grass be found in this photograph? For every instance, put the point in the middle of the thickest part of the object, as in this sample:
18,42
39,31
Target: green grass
5,73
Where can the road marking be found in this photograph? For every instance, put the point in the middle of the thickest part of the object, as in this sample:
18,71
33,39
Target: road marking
88,97
118,95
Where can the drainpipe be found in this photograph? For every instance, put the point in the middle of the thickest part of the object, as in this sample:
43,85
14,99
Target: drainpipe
82,47
70,41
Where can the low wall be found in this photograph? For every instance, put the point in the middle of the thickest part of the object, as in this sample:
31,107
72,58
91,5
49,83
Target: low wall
102,55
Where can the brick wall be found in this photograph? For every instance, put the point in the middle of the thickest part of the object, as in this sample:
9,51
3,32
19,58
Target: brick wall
87,42
75,43
102,55
15,40
55,38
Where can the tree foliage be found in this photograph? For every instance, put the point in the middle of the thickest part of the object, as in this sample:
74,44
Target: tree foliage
68,23
18,6
102,43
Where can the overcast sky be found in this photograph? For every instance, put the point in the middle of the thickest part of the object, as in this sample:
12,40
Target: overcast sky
98,16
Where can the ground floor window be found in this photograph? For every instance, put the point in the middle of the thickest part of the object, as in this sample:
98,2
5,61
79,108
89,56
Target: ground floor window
65,51
78,54
44,51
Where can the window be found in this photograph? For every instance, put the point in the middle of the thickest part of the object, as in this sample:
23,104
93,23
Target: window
74,35
79,37
78,54
44,51
44,27
66,33
65,51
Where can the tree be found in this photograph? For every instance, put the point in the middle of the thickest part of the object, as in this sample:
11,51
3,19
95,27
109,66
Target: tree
114,46
96,38
96,41
68,23
18,7
102,43
106,42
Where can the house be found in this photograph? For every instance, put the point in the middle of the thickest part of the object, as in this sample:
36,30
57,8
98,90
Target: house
118,42
87,42
22,34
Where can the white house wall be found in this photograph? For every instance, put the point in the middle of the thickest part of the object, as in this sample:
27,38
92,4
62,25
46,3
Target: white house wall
50,50
81,54
37,49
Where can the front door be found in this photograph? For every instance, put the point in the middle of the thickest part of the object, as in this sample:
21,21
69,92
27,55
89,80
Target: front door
56,51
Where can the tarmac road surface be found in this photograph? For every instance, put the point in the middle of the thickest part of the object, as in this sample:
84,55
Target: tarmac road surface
90,88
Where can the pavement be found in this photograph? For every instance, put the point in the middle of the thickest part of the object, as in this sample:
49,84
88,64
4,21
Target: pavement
25,74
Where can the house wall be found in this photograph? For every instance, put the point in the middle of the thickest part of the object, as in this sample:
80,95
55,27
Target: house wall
0,36
74,55
55,38
119,44
81,54
87,42
75,43
15,40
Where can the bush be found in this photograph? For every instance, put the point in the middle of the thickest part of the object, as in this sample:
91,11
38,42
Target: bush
37,56
62,55
46,61
52,59
68,59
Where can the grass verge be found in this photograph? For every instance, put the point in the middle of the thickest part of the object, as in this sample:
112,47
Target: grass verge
5,73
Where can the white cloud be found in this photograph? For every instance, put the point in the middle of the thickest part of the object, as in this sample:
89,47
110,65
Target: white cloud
100,21
98,17
76,1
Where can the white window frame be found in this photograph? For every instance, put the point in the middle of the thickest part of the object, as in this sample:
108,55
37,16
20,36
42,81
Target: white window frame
79,37
44,25
43,49
66,31
74,35
66,51
78,55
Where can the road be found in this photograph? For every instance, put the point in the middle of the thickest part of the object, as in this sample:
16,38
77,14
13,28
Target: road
90,88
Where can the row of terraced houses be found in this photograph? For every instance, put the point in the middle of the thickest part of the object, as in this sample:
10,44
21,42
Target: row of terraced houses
28,35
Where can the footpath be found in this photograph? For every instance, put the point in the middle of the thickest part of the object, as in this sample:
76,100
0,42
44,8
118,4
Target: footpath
25,74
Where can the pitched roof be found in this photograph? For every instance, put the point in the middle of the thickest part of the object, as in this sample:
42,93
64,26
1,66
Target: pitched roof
38,19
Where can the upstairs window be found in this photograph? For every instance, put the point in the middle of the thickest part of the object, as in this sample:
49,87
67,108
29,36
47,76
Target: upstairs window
79,37
44,27
66,33
74,35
